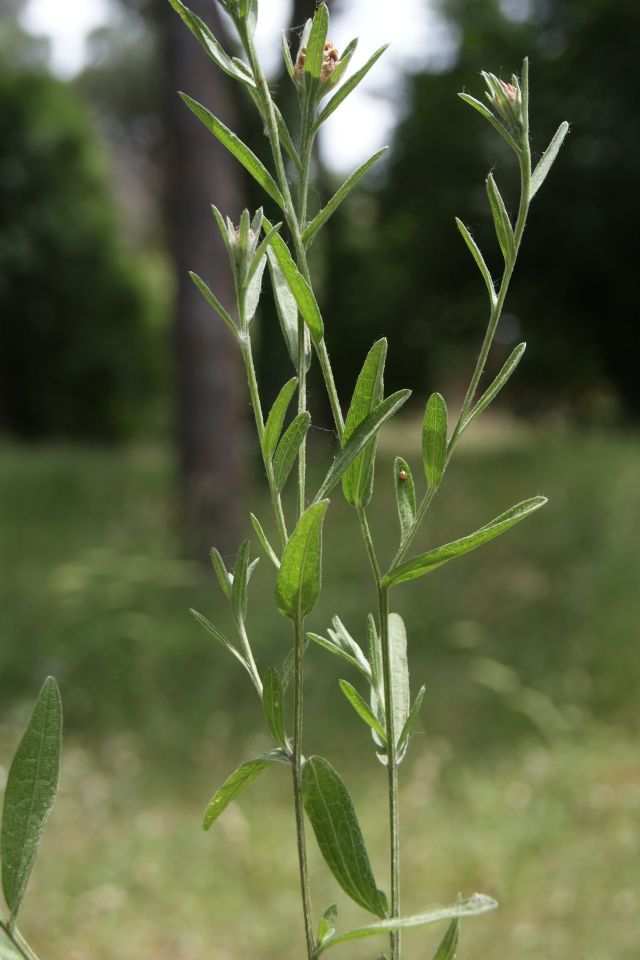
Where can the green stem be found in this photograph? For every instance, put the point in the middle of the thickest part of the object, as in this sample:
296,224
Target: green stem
297,762
392,768
18,941
248,653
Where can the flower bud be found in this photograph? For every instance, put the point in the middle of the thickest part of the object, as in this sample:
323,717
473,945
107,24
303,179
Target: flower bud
330,60
506,101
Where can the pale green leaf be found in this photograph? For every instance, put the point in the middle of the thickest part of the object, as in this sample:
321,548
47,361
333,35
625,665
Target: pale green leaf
362,708
288,448
479,259
501,221
323,215
302,292
209,43
403,739
429,561
547,159
239,780
335,824
240,582
405,495
337,650
348,87
224,579
30,793
399,672
491,117
299,577
235,146
449,943
220,637
266,546
286,56
492,392
213,301
474,906
357,481
287,310
275,420
317,39
434,439
273,704
327,926
363,433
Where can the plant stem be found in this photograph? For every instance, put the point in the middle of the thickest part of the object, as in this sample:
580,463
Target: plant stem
297,780
392,768
18,941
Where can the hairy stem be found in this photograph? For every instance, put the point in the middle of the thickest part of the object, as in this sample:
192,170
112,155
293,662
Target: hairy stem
297,780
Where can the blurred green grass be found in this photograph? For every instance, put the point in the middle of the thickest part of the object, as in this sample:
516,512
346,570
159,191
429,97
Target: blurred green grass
523,780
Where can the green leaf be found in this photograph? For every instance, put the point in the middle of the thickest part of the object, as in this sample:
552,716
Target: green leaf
220,637
335,824
235,146
547,159
287,310
493,120
357,482
273,703
286,56
474,906
211,46
360,437
317,39
239,781
240,582
405,495
31,790
400,691
403,739
302,292
221,573
427,562
337,650
492,392
449,943
287,450
213,301
434,439
362,708
348,87
278,412
479,259
501,221
342,638
323,215
327,926
299,577
266,546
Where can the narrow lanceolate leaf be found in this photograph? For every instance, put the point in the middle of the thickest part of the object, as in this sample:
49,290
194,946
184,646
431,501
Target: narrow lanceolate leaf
287,450
357,481
479,259
449,943
362,708
360,438
31,790
287,310
403,739
220,637
299,577
262,537
286,55
240,150
547,159
434,439
405,495
202,33
401,695
493,120
273,703
302,292
501,221
315,48
213,301
278,412
337,650
335,824
492,392
240,582
239,780
473,907
321,218
429,561
221,572
349,86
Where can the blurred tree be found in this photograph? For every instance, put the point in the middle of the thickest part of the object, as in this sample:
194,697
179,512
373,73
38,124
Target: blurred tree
399,256
74,338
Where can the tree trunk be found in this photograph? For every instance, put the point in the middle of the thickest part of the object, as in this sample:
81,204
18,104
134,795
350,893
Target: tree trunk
209,380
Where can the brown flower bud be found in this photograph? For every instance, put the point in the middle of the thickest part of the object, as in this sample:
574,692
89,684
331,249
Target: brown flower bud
330,60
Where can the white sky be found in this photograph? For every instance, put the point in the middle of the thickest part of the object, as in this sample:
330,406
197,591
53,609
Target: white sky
365,121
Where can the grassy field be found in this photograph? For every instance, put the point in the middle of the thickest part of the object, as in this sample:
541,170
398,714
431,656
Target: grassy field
523,780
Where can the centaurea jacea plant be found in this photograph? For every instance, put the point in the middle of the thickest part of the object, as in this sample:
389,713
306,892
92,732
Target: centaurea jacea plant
320,76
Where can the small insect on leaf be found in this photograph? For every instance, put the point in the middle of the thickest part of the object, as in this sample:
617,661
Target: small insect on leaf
405,496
